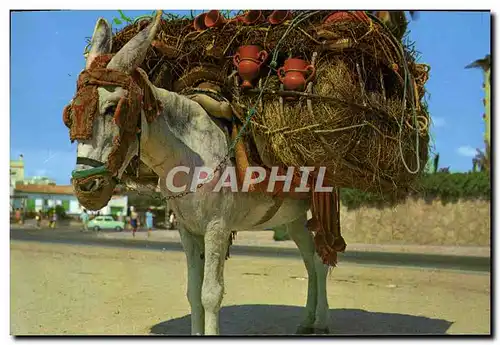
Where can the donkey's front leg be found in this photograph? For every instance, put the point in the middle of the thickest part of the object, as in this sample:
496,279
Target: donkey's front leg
193,248
216,238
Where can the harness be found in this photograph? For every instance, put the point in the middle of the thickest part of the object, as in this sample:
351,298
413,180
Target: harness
79,117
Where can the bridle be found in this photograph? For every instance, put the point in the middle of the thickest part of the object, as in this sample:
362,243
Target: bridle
98,168
89,161
79,115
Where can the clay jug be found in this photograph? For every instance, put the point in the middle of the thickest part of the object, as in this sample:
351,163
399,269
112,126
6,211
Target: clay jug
248,60
293,74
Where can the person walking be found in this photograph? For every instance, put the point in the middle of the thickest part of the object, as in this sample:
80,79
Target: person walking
38,218
54,219
134,220
18,216
171,219
49,217
149,221
85,220
22,216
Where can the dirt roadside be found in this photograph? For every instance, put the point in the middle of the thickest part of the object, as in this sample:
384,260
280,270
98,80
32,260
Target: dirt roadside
72,289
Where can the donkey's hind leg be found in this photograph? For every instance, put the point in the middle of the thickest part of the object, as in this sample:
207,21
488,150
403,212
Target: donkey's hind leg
316,318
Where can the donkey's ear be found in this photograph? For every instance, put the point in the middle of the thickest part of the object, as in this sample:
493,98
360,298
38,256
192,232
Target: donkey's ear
101,41
132,54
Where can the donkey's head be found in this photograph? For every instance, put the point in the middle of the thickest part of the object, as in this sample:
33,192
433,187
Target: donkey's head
105,114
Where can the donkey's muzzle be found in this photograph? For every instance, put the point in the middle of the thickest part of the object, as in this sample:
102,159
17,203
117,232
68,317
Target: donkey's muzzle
95,191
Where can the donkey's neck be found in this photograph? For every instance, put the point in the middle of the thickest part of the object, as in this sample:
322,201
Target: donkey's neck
183,134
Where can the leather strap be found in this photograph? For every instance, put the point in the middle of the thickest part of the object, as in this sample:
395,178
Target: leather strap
89,161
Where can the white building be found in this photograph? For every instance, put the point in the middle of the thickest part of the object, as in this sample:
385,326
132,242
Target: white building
34,197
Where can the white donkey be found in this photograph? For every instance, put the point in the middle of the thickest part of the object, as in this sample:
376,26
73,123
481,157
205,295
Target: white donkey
184,134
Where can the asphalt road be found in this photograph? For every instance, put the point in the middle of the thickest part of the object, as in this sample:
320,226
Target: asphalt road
71,236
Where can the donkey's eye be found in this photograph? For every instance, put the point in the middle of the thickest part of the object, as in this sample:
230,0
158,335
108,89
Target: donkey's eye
110,110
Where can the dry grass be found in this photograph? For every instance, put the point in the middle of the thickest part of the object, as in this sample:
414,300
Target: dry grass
357,140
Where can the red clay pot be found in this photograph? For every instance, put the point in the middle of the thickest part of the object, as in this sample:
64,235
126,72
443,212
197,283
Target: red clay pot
340,16
199,22
214,18
252,17
248,60
294,72
278,17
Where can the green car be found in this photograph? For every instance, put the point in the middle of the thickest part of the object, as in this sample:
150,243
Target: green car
106,222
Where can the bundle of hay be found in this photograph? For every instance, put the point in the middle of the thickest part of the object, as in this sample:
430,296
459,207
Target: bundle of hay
365,140
365,121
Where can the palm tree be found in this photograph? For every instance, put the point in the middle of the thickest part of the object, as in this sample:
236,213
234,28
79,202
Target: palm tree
484,63
482,160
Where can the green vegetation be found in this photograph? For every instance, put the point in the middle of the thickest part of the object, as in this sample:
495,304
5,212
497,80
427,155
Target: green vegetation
60,211
443,186
122,18
30,205
65,204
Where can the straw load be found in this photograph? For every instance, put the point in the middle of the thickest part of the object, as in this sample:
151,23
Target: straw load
321,88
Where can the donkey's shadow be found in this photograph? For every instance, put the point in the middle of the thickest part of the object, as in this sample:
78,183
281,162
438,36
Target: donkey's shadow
280,319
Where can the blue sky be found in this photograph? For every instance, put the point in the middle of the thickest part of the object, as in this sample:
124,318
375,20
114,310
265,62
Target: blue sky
47,55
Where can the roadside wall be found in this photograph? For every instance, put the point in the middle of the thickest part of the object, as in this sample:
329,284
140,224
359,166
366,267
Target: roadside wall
418,222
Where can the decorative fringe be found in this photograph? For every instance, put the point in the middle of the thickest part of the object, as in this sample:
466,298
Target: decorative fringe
325,224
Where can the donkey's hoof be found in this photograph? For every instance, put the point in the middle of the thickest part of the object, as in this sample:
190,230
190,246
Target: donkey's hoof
305,330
